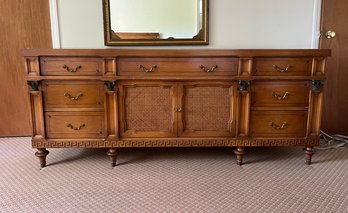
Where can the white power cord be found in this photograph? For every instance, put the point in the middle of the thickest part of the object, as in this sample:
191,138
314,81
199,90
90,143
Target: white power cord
332,141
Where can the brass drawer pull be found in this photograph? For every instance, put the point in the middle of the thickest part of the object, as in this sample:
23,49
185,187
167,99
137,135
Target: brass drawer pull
72,97
280,97
75,128
144,69
279,69
278,127
206,69
67,68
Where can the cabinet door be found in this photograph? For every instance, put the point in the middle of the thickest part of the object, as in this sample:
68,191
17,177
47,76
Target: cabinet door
147,109
207,109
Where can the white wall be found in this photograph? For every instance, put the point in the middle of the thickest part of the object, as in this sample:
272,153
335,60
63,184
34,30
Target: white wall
237,24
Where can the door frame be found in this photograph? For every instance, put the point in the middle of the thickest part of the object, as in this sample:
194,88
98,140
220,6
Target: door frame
316,29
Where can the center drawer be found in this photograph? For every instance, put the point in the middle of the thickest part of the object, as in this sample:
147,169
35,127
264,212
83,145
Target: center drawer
205,66
73,94
74,124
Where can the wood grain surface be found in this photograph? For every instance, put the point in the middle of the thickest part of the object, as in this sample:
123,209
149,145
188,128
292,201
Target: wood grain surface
25,24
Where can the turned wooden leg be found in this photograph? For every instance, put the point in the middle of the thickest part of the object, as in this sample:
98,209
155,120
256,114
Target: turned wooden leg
41,154
239,151
112,153
309,151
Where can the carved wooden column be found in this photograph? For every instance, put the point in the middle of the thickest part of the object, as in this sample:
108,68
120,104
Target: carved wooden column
243,117
37,118
314,118
111,113
244,108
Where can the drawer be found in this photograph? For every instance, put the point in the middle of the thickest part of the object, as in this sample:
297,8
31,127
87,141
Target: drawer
71,94
278,93
210,66
278,123
283,66
71,66
74,124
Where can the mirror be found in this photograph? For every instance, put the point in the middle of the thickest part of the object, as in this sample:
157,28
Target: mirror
155,22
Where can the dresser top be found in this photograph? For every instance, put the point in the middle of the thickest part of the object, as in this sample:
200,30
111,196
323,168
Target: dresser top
177,52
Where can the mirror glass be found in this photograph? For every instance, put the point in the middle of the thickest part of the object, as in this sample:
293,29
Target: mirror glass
155,22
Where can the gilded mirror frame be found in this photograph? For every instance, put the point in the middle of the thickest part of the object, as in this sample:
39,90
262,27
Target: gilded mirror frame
111,39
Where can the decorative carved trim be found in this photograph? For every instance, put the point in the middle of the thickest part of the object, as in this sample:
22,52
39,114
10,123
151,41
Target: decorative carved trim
34,85
51,143
243,85
317,85
110,85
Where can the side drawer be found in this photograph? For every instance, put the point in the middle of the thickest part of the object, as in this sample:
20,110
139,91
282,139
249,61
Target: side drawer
215,66
280,94
74,124
278,123
73,94
71,66
283,66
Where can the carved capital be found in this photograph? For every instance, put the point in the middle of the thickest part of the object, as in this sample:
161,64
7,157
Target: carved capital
34,85
317,85
110,85
243,85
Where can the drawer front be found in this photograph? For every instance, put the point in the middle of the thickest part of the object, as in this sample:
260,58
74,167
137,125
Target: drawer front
278,123
214,66
283,66
71,66
74,124
73,94
287,94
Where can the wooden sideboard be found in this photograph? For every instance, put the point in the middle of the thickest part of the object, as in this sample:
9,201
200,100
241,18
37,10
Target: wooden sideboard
118,98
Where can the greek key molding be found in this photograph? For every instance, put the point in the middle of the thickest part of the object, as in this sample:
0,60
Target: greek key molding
50,143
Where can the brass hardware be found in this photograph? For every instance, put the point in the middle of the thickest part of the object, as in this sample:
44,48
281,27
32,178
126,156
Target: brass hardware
278,127
72,97
280,97
243,85
75,128
67,68
34,85
279,69
177,109
205,69
147,70
330,34
110,85
317,85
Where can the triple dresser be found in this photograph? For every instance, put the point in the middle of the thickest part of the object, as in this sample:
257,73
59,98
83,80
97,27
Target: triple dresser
124,98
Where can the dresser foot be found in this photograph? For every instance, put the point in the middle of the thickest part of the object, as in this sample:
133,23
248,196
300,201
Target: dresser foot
41,154
239,151
112,153
309,151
